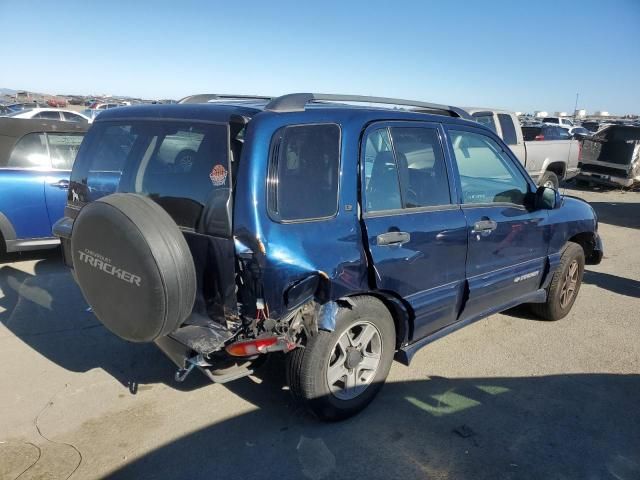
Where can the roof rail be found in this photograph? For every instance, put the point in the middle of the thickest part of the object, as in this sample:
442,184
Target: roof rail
205,97
296,102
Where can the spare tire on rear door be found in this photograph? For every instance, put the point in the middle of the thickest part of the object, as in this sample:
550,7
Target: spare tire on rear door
133,266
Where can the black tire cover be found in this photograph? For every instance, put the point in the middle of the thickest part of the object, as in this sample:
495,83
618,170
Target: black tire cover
133,266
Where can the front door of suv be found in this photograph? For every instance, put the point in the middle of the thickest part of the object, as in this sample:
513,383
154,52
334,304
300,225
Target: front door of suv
507,240
417,235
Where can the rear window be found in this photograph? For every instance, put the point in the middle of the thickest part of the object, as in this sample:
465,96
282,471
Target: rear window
303,172
180,165
550,120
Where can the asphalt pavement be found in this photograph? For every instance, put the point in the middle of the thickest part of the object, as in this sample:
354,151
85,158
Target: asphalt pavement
509,397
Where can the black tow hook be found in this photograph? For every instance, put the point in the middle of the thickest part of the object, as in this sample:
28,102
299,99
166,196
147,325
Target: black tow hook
191,363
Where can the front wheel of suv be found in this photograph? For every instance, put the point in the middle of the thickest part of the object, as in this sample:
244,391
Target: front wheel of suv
565,285
337,374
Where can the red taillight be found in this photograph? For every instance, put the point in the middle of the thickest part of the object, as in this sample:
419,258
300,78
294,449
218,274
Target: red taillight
539,137
247,348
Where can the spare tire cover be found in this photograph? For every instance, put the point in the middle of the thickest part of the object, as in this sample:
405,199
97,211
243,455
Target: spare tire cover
133,266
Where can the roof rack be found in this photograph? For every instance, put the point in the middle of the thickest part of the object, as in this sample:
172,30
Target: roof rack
296,102
206,97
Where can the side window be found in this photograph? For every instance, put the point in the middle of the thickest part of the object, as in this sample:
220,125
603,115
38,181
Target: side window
72,117
487,174
404,167
48,115
508,130
304,172
421,167
30,152
382,187
563,134
63,149
486,120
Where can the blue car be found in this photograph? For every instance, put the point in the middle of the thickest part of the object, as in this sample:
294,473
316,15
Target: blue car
345,235
36,157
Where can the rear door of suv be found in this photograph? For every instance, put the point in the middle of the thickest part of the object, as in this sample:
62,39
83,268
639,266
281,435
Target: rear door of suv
417,232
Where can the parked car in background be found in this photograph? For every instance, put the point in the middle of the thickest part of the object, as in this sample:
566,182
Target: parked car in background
544,131
51,114
612,156
76,100
104,106
14,107
547,162
57,102
579,132
36,157
562,121
91,114
591,125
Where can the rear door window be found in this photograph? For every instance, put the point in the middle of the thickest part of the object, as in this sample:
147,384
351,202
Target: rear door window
303,173
421,166
48,115
30,152
508,129
404,168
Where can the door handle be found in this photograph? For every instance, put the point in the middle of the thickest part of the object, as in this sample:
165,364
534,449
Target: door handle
484,226
392,238
62,184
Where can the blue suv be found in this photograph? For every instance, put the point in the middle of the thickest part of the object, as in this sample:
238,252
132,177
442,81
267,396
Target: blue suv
36,157
333,228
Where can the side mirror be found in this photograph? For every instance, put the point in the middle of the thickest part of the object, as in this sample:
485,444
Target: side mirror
547,198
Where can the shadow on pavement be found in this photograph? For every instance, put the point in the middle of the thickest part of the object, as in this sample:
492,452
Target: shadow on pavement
621,214
613,283
562,426
47,312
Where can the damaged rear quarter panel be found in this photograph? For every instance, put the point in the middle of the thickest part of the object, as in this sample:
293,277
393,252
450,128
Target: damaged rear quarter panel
331,248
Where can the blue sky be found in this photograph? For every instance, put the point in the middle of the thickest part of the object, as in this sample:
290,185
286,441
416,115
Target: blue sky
517,55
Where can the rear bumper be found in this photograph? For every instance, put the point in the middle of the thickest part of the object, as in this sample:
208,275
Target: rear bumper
26,244
62,229
606,179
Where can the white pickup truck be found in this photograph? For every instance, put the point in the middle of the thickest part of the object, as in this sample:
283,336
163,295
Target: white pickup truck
547,161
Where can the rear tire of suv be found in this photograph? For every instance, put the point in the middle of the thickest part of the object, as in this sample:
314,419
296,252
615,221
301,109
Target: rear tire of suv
565,285
337,374
549,179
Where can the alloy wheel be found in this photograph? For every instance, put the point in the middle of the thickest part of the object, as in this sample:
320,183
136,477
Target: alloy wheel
569,284
354,360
